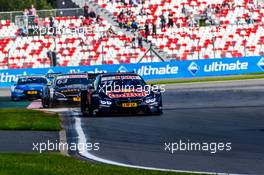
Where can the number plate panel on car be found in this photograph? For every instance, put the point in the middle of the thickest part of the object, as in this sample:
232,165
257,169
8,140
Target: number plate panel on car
32,92
129,105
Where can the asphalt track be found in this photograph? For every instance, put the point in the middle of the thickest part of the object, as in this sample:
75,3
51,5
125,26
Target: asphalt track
23,141
199,112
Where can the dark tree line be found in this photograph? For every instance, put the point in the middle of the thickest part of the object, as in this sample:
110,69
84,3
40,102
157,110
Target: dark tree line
20,5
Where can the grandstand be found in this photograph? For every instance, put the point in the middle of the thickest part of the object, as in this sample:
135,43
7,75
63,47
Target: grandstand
201,30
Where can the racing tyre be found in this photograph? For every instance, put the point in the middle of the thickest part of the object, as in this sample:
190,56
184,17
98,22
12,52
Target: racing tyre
51,103
84,104
159,108
45,103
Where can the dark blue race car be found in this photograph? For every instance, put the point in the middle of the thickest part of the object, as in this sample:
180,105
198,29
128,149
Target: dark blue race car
125,93
28,88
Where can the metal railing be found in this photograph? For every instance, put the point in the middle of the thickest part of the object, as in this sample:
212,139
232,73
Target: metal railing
43,13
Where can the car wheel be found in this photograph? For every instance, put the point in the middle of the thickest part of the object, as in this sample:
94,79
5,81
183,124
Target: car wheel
84,103
91,111
44,103
51,103
159,110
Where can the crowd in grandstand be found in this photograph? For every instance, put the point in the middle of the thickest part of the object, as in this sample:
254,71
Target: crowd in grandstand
210,14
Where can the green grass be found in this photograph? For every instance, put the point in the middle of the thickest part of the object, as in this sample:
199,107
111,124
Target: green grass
209,79
56,164
23,119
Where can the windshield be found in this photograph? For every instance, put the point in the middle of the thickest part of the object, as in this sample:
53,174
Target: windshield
31,80
72,81
122,82
51,78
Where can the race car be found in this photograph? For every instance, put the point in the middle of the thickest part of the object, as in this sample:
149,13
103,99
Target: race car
28,87
65,89
120,93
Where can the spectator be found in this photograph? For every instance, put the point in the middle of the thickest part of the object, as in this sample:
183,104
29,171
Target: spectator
239,21
140,42
133,2
249,19
110,32
183,10
170,19
134,26
225,4
128,24
134,42
208,12
25,12
52,26
162,21
191,22
214,20
207,22
24,31
86,11
121,14
25,17
121,19
217,9
154,28
142,12
36,20
86,21
122,22
99,19
146,29
129,13
32,11
92,14
125,2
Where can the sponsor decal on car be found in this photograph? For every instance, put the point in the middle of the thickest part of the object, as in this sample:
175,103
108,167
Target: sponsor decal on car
126,95
72,76
70,90
121,78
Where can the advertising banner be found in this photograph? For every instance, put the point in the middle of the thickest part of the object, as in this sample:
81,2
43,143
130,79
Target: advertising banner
154,71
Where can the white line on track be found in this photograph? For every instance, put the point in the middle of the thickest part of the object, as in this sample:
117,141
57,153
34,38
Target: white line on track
82,139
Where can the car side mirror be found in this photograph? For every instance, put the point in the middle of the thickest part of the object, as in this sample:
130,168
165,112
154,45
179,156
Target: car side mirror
49,84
